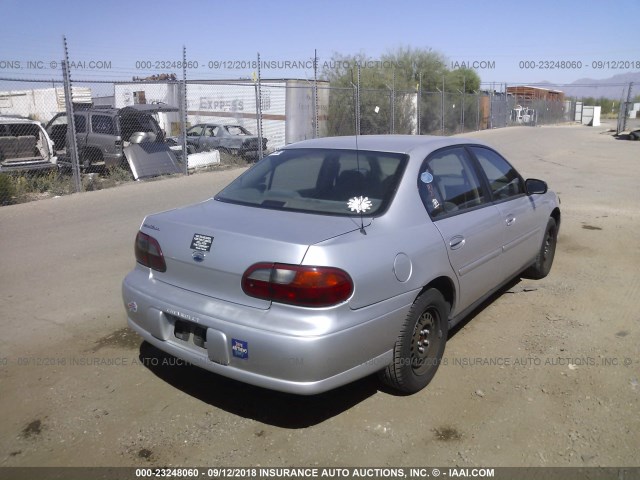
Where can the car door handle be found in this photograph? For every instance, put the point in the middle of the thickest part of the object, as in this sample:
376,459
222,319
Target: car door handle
510,220
456,242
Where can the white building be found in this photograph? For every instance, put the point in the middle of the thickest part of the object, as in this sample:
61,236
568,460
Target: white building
40,104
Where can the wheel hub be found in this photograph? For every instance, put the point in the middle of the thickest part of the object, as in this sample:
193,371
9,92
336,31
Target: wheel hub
424,341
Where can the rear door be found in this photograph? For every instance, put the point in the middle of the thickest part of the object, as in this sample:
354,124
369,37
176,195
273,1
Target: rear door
102,135
521,219
470,225
58,127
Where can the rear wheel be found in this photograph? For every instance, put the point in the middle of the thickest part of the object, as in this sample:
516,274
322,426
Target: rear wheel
542,266
420,345
89,157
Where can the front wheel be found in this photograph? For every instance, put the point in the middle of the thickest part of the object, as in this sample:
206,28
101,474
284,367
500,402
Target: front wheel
542,265
418,351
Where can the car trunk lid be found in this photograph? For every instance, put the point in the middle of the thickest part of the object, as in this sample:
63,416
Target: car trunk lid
208,246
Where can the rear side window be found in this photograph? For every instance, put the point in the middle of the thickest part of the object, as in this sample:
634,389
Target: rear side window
236,130
504,181
24,129
448,183
102,124
339,182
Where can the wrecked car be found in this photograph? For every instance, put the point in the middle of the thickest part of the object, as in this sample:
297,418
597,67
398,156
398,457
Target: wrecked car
233,139
110,137
24,145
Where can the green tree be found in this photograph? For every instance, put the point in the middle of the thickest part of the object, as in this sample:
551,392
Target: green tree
412,63
462,80
388,88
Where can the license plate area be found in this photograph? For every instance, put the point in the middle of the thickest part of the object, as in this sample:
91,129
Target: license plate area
190,332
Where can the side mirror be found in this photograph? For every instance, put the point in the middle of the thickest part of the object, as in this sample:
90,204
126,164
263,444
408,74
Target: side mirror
535,186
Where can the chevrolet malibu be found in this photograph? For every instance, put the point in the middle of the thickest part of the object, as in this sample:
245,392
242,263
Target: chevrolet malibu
335,258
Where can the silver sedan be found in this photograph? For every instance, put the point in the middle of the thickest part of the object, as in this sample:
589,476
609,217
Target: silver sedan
336,258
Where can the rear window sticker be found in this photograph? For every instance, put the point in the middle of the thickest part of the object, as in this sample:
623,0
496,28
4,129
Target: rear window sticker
359,204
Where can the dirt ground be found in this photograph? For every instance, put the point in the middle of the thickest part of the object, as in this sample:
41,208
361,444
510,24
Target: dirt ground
545,374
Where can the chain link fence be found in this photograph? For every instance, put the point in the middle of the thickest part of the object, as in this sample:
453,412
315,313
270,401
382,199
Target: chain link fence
167,124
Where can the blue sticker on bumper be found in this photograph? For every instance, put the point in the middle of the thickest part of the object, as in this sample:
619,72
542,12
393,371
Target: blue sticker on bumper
239,348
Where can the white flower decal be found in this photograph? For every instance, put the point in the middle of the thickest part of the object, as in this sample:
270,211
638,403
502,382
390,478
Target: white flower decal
359,204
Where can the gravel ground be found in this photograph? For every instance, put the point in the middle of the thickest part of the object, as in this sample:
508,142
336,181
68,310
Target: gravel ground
545,374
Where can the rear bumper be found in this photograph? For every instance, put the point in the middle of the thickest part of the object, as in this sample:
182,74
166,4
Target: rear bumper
301,364
113,159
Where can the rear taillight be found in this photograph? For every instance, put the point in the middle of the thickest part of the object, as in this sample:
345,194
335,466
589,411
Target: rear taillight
297,284
149,253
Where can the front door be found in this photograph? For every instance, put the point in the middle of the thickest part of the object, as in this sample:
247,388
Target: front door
521,219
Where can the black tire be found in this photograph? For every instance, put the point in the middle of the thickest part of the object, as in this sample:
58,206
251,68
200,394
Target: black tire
420,345
89,156
542,265
85,161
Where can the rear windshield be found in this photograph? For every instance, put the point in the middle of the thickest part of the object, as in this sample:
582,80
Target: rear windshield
19,130
337,182
236,130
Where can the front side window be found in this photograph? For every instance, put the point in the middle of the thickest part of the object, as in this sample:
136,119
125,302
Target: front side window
81,123
504,181
327,181
448,183
211,131
59,120
195,131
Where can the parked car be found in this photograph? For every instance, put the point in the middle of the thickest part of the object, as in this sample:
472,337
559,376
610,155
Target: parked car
335,258
105,135
234,139
24,145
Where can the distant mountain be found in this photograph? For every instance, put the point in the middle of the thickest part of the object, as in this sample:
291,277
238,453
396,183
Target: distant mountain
611,87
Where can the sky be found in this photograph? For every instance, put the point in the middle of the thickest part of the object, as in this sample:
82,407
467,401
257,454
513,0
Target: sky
557,41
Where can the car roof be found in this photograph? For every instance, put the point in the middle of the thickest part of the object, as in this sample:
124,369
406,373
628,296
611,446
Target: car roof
12,119
139,108
151,107
96,109
385,143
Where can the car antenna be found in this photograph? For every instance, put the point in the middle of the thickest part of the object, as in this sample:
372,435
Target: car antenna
356,107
